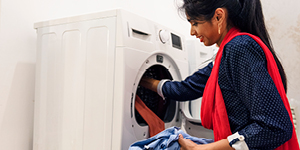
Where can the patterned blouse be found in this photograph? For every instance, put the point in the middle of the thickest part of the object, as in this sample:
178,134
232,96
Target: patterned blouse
254,106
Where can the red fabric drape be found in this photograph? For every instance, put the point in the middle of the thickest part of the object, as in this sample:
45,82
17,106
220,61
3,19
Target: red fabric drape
155,124
213,110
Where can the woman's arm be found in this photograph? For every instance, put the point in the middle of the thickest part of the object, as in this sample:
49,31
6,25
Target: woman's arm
149,83
190,88
187,144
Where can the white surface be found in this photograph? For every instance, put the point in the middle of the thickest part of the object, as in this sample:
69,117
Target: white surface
295,107
199,54
283,22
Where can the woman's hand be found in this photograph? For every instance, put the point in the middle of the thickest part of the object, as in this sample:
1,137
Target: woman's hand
149,83
187,144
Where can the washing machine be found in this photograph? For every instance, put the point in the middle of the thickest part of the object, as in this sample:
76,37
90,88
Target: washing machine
88,71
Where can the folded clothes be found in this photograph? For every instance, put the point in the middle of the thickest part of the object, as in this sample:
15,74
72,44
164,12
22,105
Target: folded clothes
166,140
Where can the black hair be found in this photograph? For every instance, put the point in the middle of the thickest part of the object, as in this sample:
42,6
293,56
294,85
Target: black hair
246,15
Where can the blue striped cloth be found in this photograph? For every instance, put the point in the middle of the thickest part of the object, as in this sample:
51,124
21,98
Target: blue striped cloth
166,140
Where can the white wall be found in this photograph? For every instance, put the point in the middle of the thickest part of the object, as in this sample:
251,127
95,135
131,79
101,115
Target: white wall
283,22
17,49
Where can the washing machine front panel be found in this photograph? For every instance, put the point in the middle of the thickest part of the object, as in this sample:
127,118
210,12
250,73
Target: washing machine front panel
142,34
99,93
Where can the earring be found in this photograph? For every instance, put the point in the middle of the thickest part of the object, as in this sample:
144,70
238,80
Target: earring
219,28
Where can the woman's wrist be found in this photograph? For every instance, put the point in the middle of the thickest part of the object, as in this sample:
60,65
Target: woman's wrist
218,145
149,83
222,145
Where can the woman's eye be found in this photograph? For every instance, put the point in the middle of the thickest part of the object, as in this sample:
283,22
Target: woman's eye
195,24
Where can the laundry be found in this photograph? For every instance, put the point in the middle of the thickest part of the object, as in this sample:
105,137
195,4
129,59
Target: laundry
155,124
166,140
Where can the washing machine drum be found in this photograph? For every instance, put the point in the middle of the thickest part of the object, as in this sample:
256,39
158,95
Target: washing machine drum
163,108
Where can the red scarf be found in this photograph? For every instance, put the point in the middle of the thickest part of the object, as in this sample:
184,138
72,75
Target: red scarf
213,110
155,124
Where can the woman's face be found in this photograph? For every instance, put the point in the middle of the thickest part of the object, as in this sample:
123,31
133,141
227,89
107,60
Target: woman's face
206,31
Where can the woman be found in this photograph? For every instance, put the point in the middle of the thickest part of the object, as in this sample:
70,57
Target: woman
244,99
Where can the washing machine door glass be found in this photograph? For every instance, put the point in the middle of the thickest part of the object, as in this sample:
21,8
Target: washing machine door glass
163,108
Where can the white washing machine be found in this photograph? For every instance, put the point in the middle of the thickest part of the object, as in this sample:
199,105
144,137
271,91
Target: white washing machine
87,75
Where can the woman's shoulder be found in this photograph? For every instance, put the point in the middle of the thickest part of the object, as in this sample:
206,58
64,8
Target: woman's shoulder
243,44
242,41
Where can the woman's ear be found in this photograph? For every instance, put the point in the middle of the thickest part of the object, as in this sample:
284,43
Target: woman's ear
220,14
220,19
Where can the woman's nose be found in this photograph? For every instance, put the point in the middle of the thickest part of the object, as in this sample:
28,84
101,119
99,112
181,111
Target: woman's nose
192,32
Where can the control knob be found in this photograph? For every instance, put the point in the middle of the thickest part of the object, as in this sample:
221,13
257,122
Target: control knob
164,36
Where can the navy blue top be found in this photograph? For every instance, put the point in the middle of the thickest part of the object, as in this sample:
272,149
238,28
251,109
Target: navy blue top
254,106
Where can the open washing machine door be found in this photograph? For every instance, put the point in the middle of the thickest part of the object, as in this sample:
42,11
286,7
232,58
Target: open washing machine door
191,121
199,56
157,66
